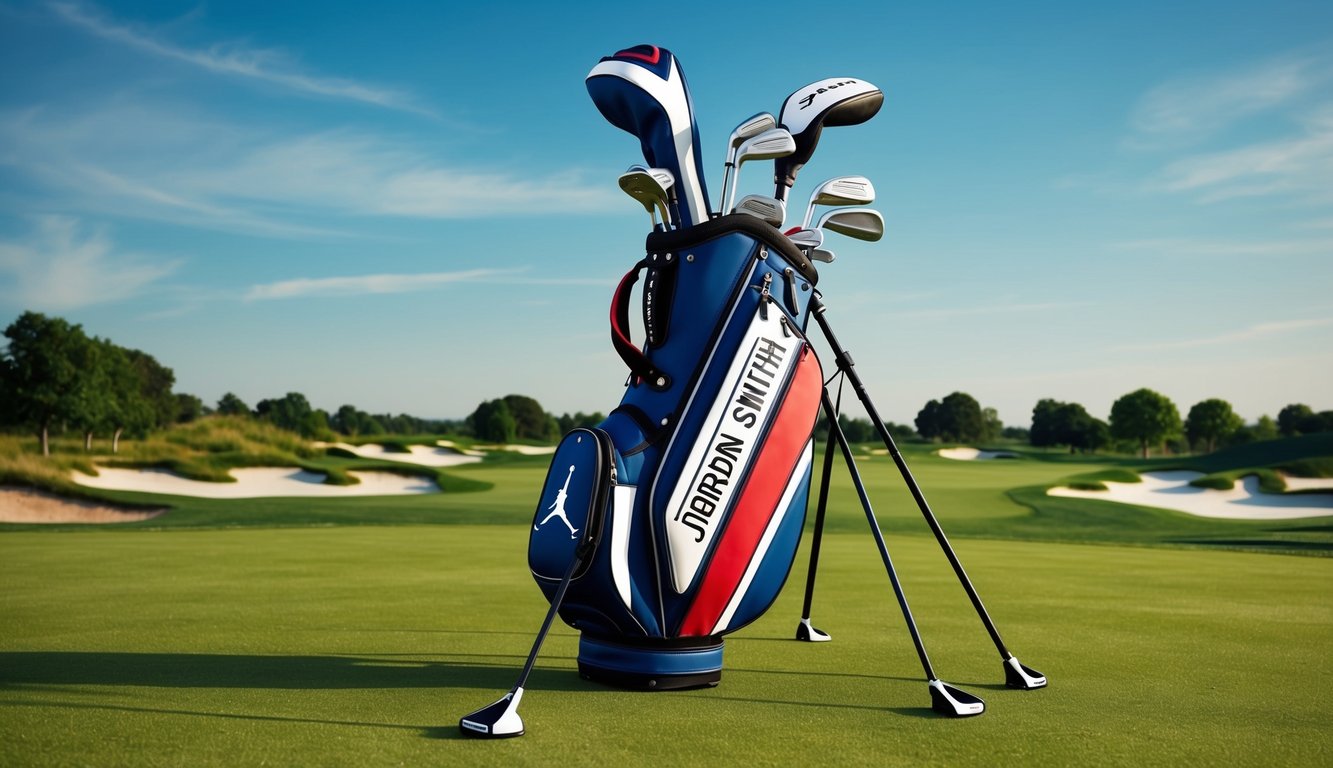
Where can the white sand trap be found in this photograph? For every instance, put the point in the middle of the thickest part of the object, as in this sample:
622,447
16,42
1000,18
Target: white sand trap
1171,490
24,505
455,446
425,455
254,483
972,454
1308,483
526,450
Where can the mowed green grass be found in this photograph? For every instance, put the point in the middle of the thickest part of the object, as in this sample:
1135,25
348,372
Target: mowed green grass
364,645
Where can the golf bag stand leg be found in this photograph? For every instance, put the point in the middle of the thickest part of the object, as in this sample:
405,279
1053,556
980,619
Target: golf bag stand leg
805,631
500,719
944,698
1016,675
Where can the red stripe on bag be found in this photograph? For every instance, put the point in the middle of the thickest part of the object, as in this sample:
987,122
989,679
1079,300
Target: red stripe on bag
758,500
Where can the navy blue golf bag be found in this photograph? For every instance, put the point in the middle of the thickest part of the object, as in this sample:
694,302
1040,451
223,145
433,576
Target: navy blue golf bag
691,495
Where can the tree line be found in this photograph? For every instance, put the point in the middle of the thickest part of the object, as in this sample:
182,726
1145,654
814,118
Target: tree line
53,376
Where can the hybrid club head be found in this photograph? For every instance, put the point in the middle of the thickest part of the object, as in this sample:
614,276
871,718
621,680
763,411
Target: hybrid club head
830,102
805,239
1023,678
772,143
751,126
806,633
954,702
840,190
497,721
652,188
821,254
859,223
767,208
642,91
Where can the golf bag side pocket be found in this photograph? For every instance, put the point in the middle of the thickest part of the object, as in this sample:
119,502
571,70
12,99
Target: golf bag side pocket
568,520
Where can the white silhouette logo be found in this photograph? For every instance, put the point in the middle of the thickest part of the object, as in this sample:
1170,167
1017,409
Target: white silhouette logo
558,507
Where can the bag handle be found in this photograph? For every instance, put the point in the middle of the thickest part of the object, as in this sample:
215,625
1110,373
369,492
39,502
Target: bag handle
639,364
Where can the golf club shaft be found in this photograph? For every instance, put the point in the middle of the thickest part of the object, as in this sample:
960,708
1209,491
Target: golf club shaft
835,430
845,364
550,617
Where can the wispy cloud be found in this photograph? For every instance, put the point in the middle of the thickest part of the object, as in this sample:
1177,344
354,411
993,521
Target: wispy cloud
1193,107
1224,248
1253,332
62,266
1300,165
360,285
150,161
233,59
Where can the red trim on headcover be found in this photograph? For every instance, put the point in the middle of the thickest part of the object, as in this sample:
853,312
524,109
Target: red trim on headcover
758,500
630,53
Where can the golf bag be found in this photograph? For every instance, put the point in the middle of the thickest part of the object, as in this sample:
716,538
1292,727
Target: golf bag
685,505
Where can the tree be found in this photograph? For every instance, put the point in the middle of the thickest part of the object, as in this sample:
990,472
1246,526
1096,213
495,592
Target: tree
928,420
1210,421
127,409
1145,416
1291,418
155,383
188,408
530,420
293,412
1055,423
231,405
567,421
44,373
493,421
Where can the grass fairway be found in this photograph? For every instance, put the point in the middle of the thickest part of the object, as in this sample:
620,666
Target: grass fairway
364,645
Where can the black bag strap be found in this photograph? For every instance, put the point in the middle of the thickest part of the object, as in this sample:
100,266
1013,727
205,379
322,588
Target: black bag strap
639,364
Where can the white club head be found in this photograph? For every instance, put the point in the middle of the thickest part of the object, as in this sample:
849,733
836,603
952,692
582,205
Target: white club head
859,223
821,254
805,239
652,188
840,190
772,143
767,208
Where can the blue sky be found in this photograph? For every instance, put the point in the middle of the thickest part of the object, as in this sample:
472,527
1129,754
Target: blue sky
415,209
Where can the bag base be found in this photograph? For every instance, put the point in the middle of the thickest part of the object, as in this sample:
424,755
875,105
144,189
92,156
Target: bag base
651,665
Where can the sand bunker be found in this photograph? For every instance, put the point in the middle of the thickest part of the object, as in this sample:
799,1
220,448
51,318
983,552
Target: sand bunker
255,482
1171,490
972,454
425,455
526,450
23,505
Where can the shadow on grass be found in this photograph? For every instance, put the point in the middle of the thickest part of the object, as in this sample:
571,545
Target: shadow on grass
202,670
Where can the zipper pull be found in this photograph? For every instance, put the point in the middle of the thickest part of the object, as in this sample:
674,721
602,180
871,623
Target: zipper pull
765,296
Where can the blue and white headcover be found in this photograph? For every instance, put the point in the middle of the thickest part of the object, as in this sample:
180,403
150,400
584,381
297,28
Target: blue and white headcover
642,90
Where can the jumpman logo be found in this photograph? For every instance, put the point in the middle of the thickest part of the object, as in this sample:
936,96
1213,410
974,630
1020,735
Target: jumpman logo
559,507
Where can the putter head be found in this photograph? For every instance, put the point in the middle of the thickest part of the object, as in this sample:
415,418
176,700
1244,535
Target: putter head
1023,678
859,223
767,208
821,254
830,102
805,239
954,702
497,721
840,190
751,126
642,90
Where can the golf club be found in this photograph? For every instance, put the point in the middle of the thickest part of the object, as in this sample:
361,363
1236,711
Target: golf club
751,126
840,190
859,223
821,254
806,239
830,102
773,143
944,698
642,91
769,209
652,188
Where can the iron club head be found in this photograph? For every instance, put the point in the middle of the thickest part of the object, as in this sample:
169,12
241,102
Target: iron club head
840,190
859,223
